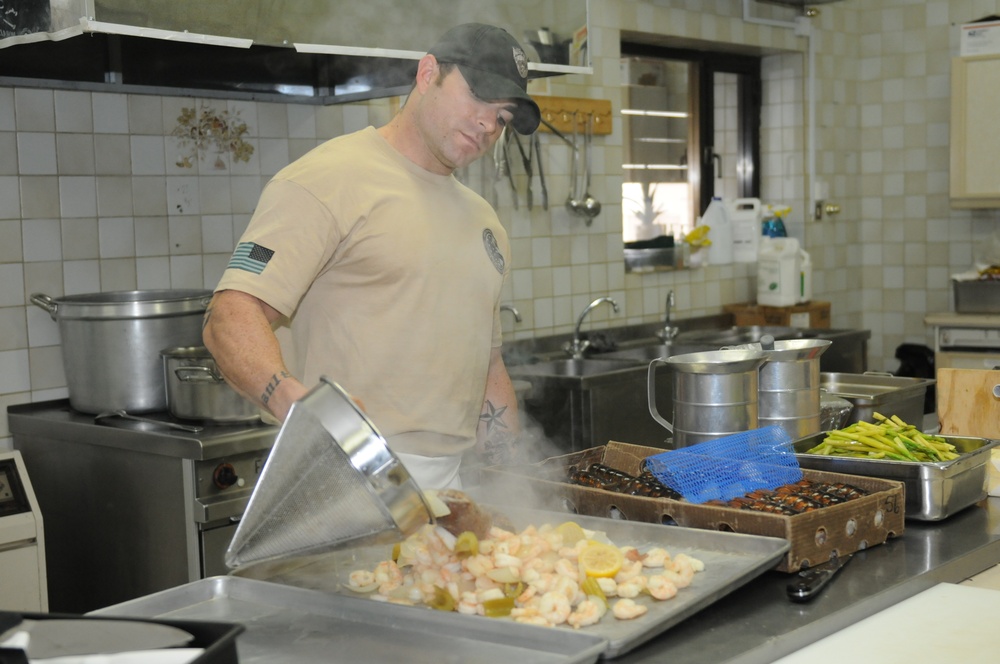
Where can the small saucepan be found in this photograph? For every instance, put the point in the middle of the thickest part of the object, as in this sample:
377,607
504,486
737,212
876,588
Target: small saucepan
196,389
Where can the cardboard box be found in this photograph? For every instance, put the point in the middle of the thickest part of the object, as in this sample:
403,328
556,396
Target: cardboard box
979,39
812,314
813,536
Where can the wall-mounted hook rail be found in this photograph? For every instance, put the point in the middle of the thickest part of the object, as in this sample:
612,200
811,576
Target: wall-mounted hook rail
558,114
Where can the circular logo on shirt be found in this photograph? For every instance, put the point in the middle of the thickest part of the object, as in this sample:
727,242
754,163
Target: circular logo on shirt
493,250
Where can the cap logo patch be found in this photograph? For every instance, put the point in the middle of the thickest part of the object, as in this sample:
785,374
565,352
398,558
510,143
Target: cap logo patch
521,61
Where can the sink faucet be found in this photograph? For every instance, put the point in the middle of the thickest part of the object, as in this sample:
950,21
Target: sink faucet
669,331
578,346
513,310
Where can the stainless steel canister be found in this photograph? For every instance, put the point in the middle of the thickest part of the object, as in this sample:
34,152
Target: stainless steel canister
196,389
111,344
788,392
715,394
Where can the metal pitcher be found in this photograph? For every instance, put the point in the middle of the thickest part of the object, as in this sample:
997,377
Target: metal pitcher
715,394
789,386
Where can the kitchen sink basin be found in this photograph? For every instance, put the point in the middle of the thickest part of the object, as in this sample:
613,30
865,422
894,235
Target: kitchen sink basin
571,368
733,336
643,353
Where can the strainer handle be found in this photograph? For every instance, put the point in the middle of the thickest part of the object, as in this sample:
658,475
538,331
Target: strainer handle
651,394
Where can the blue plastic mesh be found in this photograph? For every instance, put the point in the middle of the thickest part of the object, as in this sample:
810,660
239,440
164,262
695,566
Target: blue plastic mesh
725,468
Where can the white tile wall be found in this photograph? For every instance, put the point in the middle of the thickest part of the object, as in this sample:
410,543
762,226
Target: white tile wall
92,198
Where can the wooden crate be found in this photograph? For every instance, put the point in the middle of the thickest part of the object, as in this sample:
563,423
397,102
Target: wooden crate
812,314
813,536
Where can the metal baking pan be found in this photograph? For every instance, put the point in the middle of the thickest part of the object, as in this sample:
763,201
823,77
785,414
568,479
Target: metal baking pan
731,560
286,624
976,296
887,394
934,490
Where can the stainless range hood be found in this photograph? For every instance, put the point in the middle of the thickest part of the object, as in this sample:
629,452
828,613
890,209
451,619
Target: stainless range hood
311,51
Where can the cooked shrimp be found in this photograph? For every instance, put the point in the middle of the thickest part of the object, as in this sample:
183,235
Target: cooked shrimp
683,570
533,620
478,565
509,546
696,564
630,589
626,609
388,570
506,560
661,587
362,581
554,607
389,576
656,557
566,587
629,571
468,604
587,612
608,586
568,569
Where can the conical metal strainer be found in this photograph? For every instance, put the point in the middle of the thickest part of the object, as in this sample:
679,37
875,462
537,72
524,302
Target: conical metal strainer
329,480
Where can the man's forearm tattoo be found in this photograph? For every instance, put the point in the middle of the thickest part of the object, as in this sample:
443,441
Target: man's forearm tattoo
204,319
499,442
492,417
273,385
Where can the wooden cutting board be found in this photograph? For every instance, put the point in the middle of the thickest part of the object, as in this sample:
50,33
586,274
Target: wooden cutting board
965,402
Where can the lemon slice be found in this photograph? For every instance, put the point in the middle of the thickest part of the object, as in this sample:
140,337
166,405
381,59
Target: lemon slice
571,533
601,560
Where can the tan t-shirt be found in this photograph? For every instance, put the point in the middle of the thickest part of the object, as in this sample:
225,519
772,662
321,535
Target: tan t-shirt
391,277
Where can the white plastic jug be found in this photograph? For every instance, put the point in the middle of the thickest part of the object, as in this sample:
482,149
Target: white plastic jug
784,273
716,217
745,216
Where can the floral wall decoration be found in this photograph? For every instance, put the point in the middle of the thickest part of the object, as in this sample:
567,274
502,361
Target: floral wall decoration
206,130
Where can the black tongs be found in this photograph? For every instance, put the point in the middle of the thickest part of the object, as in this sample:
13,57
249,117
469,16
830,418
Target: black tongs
811,581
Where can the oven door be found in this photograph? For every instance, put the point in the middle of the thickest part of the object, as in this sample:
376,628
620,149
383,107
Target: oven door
215,540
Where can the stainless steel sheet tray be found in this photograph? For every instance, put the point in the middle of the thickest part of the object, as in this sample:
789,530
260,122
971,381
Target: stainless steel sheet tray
287,624
731,560
934,490
870,392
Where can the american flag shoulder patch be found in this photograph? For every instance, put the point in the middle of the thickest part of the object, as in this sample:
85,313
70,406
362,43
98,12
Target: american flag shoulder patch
251,257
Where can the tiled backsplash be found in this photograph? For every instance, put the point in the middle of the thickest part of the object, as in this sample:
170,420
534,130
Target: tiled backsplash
92,197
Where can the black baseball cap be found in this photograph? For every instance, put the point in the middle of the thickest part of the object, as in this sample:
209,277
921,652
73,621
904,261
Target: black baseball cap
495,67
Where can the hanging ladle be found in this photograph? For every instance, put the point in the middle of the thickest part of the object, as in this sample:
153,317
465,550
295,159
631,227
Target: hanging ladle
573,203
590,207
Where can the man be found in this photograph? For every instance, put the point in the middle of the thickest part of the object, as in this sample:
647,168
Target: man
383,273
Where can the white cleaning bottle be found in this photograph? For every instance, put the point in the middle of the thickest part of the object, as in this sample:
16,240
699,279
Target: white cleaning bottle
778,274
716,217
745,216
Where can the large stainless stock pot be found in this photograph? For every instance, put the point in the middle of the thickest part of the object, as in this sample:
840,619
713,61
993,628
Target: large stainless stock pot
111,343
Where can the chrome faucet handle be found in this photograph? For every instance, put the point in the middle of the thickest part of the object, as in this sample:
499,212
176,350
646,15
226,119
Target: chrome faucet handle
578,346
669,331
513,310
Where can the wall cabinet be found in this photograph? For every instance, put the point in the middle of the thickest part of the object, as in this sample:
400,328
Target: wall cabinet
975,141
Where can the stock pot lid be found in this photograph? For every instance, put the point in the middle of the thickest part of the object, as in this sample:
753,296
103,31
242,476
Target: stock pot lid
125,304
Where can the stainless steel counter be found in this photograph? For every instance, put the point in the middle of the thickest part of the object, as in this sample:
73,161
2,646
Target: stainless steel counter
757,624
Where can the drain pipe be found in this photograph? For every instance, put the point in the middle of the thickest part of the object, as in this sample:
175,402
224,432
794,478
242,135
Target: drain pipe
803,28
